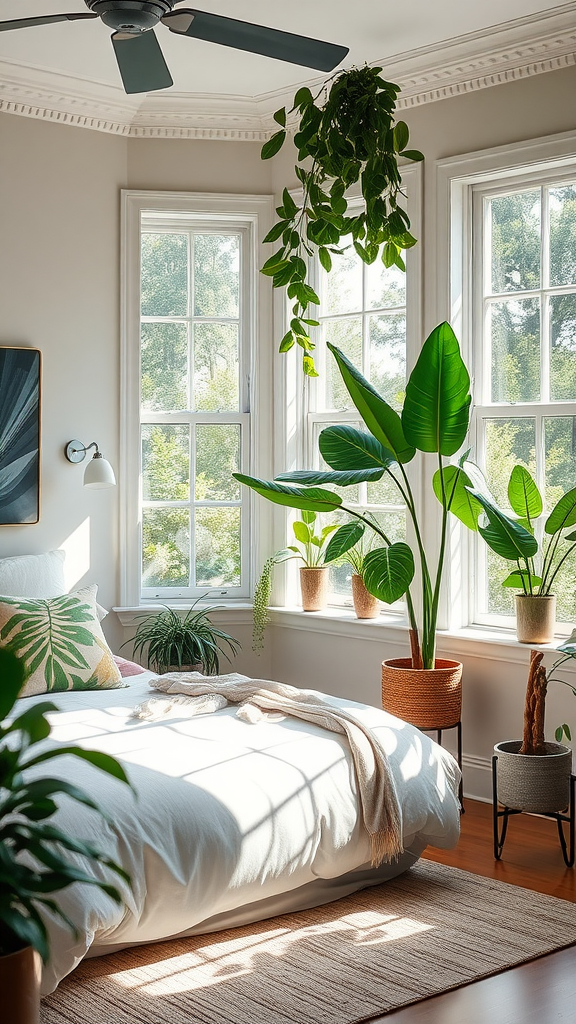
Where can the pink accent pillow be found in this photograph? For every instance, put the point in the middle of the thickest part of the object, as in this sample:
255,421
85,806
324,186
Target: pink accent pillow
128,668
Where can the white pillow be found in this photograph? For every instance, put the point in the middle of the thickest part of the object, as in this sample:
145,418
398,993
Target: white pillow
36,577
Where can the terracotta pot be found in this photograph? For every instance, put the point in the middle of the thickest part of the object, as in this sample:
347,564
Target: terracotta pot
535,618
537,783
20,975
366,605
427,698
314,588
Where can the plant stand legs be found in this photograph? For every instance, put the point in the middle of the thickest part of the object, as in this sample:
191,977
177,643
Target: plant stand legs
568,850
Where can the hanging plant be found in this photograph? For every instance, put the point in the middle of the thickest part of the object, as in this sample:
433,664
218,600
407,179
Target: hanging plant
351,136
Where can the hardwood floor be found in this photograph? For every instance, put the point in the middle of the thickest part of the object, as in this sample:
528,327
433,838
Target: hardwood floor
541,992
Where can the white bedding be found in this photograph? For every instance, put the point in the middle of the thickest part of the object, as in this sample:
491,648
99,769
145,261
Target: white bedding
232,821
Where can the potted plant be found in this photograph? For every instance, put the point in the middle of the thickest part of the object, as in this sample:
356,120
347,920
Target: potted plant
183,643
533,774
345,134
313,550
33,863
434,419
514,540
366,605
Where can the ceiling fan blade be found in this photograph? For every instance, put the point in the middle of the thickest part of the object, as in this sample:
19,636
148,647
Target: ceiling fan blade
141,62
271,42
47,19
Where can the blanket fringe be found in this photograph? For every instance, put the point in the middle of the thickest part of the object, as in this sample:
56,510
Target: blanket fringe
385,846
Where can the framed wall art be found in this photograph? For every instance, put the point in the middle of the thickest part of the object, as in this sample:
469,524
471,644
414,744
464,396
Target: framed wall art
19,436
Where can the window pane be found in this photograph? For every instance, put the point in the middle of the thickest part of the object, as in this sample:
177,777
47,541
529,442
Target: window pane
165,547
508,442
385,287
342,287
384,492
563,347
562,200
165,462
217,457
515,346
216,368
346,335
217,547
388,356
216,275
164,274
560,457
500,599
515,222
164,361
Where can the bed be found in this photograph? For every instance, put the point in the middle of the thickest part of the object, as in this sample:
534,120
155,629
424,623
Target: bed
230,822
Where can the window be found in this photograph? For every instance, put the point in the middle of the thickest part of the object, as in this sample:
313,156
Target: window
371,314
522,315
189,362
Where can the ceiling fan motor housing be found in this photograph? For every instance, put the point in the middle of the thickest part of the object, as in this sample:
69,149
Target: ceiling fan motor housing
132,16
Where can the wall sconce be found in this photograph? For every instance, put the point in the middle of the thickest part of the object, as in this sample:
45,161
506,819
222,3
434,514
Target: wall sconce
98,472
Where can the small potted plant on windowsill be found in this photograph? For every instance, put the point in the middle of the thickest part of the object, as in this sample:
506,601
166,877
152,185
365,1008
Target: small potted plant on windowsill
312,548
183,643
366,605
514,540
32,849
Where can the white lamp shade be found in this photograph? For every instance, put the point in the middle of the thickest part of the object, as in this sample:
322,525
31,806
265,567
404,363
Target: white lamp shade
99,473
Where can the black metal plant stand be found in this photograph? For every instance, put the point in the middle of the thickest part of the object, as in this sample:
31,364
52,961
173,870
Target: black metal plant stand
570,818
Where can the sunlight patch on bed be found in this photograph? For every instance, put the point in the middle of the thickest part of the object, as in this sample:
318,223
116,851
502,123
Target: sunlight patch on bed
218,962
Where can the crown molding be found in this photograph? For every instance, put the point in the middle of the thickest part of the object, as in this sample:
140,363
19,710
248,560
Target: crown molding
508,52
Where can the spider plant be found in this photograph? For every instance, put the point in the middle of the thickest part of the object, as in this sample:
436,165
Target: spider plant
175,640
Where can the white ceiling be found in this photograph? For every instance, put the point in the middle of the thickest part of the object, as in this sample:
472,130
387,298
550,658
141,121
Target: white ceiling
68,70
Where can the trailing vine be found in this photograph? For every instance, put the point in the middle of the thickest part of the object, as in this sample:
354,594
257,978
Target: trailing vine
260,613
351,136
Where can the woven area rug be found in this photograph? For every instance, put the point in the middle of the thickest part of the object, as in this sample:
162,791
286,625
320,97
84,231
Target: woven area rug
432,929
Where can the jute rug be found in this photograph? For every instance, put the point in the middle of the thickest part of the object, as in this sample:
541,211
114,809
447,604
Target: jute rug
432,929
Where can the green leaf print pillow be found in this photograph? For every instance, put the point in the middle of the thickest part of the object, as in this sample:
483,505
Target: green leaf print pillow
60,641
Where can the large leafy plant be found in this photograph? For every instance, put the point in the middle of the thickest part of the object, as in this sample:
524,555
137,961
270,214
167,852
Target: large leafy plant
434,419
33,862
345,134
514,539
173,639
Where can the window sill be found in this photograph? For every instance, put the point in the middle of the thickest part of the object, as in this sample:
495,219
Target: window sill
240,612
490,644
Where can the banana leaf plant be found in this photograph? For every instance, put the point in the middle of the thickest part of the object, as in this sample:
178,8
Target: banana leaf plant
514,539
34,867
434,419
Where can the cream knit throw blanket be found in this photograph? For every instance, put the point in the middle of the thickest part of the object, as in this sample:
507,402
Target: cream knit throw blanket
379,802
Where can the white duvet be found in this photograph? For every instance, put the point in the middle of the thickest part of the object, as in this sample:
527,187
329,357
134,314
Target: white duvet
231,821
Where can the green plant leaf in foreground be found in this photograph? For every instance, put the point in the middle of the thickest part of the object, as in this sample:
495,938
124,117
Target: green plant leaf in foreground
504,535
563,514
388,572
313,499
436,408
520,580
459,499
381,419
340,477
347,448
345,539
523,494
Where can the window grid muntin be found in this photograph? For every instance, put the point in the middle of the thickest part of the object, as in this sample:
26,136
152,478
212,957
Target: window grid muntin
488,409
192,227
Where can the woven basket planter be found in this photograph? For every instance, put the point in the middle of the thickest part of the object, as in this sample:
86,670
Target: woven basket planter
535,618
314,588
427,698
366,605
536,783
20,975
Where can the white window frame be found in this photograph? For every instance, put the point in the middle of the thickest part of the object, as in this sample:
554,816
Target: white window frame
251,216
458,180
301,417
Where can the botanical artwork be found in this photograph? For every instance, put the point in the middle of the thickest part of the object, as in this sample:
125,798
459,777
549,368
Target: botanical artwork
19,436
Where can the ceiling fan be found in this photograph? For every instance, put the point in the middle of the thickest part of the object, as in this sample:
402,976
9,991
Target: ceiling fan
140,59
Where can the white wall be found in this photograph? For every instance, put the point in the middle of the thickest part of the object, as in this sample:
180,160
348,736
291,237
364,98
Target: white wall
59,291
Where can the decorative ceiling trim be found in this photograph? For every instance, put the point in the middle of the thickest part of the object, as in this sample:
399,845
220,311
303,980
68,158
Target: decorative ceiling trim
506,53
